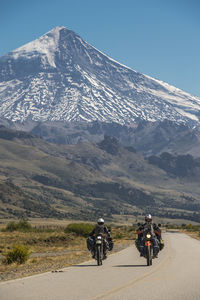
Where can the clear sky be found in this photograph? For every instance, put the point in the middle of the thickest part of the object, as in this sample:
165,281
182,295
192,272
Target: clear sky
160,38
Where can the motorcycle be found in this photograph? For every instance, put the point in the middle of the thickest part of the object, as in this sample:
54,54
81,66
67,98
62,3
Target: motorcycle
148,237
149,241
148,247
99,245
98,248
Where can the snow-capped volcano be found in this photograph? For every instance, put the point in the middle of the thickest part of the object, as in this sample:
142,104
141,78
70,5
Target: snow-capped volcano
61,77
46,46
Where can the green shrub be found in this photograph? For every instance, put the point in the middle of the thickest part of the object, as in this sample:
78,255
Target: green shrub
196,227
118,236
22,225
81,229
11,226
18,254
131,228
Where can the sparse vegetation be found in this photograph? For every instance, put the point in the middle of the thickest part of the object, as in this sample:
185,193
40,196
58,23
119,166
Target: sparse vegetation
184,227
18,254
51,247
38,179
22,225
54,246
118,235
81,229
177,165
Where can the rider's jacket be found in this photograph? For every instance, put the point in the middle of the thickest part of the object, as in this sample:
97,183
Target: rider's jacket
155,228
99,229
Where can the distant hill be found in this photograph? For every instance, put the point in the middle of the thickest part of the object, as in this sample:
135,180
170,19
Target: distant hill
148,138
15,202
177,165
87,180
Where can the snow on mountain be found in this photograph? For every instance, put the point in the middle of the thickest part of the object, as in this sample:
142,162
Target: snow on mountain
61,77
46,46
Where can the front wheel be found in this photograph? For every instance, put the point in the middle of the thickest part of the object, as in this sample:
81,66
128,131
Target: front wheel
149,256
99,259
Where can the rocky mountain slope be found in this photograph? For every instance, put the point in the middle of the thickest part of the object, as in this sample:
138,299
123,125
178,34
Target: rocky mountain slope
87,180
61,77
148,138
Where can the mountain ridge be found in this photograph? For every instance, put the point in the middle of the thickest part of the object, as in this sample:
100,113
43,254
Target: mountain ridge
86,180
61,77
148,138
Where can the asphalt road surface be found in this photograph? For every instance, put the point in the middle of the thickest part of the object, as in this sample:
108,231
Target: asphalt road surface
175,275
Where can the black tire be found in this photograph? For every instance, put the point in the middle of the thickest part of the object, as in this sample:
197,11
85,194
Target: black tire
149,256
99,259
151,251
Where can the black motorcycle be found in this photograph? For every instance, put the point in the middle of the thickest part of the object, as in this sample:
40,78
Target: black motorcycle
98,248
148,236
148,247
99,245
146,243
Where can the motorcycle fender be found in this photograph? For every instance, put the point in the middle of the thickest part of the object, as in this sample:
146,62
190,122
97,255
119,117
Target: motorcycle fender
98,242
148,243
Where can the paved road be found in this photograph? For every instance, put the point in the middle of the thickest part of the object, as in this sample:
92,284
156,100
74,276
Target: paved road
175,275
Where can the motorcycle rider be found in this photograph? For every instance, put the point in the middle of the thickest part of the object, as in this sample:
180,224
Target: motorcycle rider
100,228
156,236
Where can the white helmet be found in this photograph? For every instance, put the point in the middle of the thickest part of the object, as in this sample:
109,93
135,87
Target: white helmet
100,221
148,218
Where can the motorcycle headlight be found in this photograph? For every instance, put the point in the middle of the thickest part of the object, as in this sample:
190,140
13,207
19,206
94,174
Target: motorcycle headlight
99,238
148,235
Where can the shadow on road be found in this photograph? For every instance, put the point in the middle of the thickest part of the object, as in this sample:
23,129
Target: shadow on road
83,266
129,266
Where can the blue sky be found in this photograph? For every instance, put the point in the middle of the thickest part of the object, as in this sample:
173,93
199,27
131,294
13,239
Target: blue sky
160,38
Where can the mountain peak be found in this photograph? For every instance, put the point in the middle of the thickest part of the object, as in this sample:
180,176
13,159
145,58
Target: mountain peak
58,28
61,77
46,46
